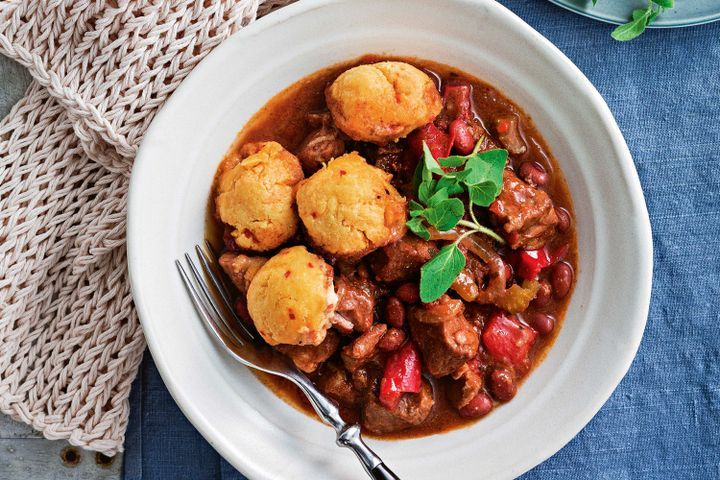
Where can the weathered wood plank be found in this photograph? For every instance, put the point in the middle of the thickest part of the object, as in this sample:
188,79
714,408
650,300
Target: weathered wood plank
14,79
9,428
41,459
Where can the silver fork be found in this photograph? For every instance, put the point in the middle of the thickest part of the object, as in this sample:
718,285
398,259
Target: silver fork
212,303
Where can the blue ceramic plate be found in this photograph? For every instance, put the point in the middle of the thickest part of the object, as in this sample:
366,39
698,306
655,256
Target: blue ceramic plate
685,13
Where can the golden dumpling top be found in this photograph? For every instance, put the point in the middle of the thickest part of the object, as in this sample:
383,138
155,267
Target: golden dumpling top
256,196
350,208
382,102
291,299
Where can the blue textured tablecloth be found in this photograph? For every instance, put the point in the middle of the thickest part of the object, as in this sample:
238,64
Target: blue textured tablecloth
663,421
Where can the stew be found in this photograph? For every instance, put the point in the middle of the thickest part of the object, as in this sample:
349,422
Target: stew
329,212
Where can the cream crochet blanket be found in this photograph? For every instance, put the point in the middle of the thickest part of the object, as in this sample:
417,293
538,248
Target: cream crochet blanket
70,342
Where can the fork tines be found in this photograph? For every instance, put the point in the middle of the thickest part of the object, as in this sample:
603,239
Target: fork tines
212,299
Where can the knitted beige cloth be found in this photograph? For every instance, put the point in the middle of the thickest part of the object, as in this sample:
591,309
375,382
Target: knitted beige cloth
70,342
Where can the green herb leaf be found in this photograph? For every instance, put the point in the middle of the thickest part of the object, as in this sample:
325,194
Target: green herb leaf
483,194
641,18
664,3
437,275
440,195
460,176
421,174
416,209
426,175
632,29
417,176
418,228
431,164
426,190
486,167
640,12
452,184
453,161
445,214
415,205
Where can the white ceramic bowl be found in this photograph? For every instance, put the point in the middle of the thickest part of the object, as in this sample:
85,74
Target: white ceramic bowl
260,434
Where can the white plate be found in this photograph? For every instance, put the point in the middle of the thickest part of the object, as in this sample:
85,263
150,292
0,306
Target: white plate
260,434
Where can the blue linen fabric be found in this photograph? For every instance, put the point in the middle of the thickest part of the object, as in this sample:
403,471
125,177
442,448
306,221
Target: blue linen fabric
663,421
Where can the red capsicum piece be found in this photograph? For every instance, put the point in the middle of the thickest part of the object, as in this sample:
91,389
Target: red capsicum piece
509,341
437,141
531,262
402,375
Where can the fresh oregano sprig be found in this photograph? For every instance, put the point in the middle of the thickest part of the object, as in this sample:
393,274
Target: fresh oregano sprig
641,18
481,179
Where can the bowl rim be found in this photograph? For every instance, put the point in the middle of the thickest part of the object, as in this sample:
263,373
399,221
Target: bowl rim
642,226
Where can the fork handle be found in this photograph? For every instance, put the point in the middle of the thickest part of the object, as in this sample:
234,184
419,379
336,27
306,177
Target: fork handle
348,436
381,472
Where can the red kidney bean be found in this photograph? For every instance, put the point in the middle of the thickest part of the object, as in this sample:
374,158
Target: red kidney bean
394,312
534,173
408,293
564,219
392,340
502,385
542,322
562,279
464,142
544,294
479,406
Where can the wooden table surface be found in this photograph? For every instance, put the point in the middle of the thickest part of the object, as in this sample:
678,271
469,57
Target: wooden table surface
24,453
